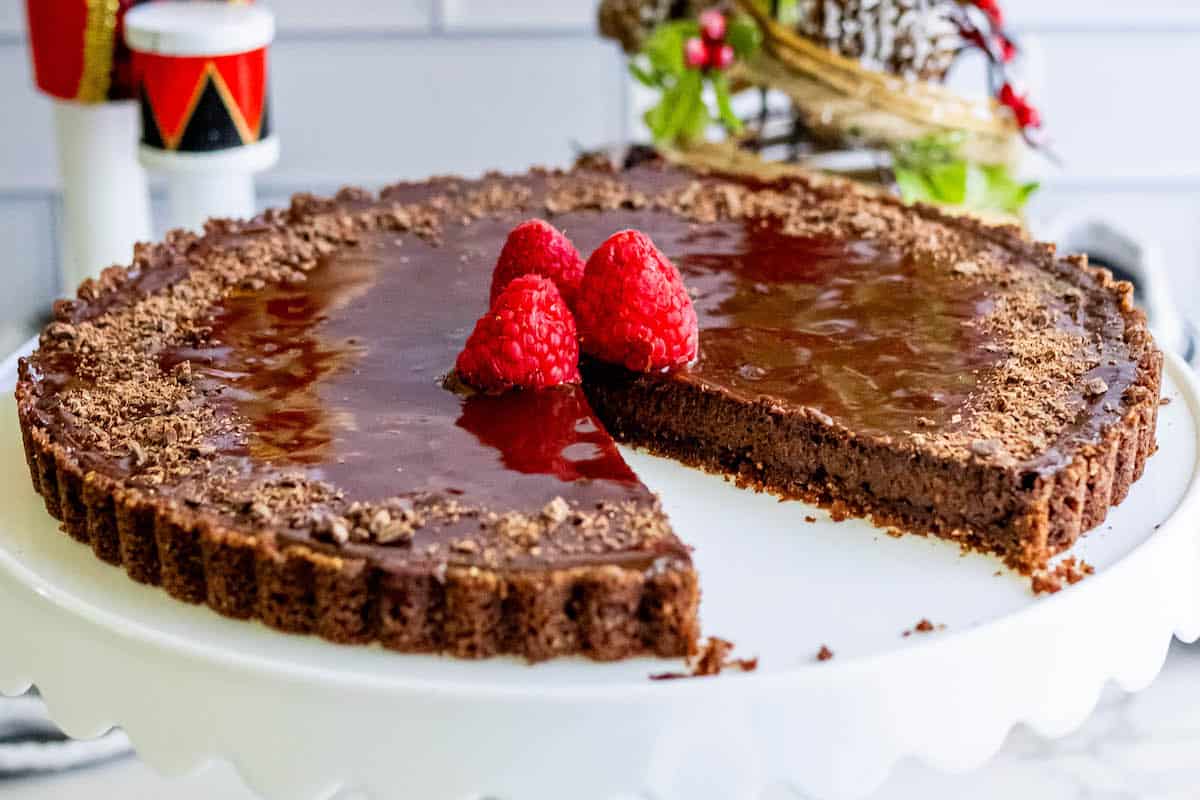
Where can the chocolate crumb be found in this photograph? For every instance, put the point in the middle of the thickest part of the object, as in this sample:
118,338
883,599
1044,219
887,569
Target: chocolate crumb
713,658
1094,387
923,626
557,511
985,447
824,654
335,528
1067,572
183,372
810,519
379,521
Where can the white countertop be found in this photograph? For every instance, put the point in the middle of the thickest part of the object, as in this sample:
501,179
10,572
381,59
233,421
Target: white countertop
1143,746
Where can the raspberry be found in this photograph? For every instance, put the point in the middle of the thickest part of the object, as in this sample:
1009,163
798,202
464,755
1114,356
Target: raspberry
632,307
535,247
527,339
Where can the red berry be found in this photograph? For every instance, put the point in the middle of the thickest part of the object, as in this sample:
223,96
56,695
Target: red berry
633,308
535,247
695,54
1008,48
991,9
720,56
527,339
1025,114
712,26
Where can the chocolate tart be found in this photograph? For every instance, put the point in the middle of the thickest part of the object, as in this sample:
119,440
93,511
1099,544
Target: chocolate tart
260,418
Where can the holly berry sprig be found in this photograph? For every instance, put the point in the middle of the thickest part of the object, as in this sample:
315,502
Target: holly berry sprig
684,57
709,50
985,30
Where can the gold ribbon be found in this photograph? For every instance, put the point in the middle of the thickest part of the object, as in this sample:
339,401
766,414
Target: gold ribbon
98,35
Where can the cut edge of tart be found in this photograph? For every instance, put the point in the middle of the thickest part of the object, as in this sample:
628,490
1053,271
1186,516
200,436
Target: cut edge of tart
647,603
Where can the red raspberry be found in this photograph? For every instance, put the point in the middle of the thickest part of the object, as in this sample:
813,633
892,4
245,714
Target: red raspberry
633,308
527,339
535,247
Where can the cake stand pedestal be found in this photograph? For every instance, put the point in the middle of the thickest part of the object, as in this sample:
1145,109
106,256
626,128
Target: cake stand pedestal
301,718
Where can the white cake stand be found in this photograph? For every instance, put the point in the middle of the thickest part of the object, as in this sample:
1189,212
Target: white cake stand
302,719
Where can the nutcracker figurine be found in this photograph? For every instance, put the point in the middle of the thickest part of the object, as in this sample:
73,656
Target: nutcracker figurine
81,63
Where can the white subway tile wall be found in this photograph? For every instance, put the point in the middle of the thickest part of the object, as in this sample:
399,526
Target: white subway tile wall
12,18
541,15
341,16
367,91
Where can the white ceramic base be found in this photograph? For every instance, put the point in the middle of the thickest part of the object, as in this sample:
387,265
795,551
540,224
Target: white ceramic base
301,718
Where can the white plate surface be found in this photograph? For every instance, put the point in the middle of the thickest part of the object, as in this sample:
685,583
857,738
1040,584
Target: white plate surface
779,586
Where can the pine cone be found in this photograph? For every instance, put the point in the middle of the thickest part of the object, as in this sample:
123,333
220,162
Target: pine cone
630,21
915,39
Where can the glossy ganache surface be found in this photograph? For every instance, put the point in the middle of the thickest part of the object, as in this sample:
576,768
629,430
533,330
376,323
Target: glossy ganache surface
344,374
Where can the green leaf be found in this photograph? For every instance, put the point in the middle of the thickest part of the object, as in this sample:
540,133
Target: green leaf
744,36
696,124
643,76
913,186
1004,192
931,170
725,113
684,102
656,120
664,48
949,182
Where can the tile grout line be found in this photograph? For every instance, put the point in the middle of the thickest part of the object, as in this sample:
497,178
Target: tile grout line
437,18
